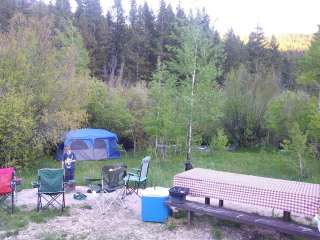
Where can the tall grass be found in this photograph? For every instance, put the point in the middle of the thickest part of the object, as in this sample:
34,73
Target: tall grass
254,162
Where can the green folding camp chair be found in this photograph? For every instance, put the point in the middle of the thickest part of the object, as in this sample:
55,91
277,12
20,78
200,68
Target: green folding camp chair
50,188
137,178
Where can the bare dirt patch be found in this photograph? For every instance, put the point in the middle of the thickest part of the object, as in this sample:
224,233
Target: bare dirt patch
89,221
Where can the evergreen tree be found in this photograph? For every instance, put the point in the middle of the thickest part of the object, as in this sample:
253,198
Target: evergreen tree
94,30
7,9
165,27
118,44
234,50
150,47
63,7
258,54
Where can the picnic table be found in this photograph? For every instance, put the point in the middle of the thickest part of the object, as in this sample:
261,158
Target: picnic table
287,196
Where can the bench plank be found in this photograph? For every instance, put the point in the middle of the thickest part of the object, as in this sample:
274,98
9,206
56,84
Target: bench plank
249,218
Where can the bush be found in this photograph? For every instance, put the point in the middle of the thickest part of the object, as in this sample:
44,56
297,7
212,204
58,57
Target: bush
17,145
107,108
43,88
219,141
291,108
297,148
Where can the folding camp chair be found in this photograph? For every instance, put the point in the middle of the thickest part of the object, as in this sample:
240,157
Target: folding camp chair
137,178
50,188
113,180
7,188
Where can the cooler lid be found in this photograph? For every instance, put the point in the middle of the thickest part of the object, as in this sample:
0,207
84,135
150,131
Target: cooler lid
155,192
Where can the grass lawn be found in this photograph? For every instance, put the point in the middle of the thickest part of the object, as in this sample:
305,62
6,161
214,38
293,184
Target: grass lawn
253,162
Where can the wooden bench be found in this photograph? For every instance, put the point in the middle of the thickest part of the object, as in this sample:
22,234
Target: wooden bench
246,218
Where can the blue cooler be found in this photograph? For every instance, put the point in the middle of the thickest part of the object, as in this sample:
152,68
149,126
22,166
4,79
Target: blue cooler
153,204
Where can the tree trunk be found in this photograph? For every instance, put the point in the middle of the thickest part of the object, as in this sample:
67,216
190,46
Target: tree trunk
189,154
121,72
301,165
319,101
113,71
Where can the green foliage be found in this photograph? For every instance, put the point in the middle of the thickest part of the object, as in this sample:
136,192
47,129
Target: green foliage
219,141
247,97
137,101
297,147
200,101
310,64
108,109
160,121
16,136
40,82
291,108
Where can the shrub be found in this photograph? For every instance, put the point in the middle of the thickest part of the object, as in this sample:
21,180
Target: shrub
219,141
43,85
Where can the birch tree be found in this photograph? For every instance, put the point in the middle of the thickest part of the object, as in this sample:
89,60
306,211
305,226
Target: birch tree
196,72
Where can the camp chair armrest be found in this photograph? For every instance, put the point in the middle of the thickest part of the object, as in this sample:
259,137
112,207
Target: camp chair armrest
35,184
13,184
131,174
135,170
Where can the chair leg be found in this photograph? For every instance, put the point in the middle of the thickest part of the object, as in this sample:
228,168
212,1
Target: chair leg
39,202
118,198
63,202
12,202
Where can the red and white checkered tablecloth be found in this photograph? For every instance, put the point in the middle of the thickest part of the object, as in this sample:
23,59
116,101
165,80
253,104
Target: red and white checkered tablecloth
297,197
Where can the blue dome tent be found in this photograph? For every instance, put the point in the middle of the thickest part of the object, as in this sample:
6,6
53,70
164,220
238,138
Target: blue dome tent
91,144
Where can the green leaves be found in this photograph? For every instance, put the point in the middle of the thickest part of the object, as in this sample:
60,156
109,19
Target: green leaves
108,109
310,64
290,108
43,85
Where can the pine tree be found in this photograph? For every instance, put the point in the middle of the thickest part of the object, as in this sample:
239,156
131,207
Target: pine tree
165,27
63,7
118,44
258,54
151,39
95,31
234,50
7,9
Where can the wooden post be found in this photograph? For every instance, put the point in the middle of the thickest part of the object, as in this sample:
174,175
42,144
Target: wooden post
286,216
190,216
220,203
207,201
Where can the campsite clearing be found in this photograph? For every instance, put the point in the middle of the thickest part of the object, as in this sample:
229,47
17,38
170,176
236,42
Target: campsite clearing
84,220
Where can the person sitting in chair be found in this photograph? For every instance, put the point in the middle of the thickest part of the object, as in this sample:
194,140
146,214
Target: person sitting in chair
69,159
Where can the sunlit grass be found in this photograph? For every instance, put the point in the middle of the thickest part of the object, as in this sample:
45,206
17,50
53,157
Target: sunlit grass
269,163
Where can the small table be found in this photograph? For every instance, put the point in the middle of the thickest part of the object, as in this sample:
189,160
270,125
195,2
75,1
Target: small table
288,196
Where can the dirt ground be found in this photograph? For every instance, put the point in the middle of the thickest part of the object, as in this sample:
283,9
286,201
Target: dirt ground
89,219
